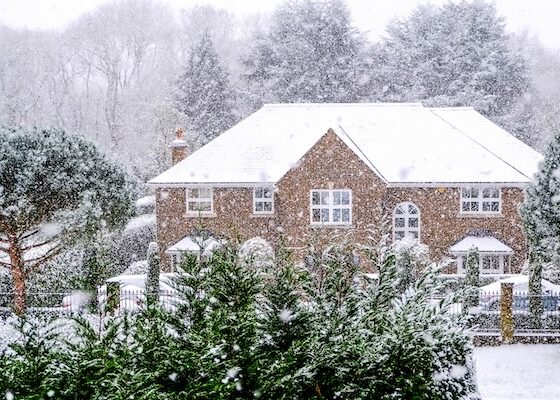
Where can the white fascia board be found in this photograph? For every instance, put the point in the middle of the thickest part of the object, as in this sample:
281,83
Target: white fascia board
212,185
520,185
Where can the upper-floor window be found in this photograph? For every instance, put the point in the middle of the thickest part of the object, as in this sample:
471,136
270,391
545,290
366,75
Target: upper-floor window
331,206
406,221
481,200
263,200
199,201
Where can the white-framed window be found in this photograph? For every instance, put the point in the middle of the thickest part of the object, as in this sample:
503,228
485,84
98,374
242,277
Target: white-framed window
406,221
489,263
200,201
263,200
481,200
332,207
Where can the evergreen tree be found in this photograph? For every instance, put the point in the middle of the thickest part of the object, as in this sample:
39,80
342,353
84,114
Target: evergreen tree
453,55
311,53
541,221
152,278
472,278
203,94
55,189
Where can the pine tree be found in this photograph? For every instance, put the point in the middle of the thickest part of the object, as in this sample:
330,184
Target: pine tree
55,189
311,53
203,94
453,55
541,221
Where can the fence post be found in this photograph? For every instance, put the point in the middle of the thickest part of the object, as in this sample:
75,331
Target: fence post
506,312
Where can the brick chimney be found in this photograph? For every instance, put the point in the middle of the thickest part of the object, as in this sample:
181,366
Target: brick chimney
178,147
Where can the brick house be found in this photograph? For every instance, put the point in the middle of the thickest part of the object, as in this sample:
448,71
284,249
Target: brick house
447,176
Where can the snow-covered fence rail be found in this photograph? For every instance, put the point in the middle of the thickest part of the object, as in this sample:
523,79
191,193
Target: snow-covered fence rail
78,301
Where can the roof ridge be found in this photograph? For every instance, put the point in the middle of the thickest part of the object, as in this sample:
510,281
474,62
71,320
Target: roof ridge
480,144
293,105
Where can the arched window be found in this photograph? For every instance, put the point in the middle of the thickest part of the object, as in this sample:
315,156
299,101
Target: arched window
406,221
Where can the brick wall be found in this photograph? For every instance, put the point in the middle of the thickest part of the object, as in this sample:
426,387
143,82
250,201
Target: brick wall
330,164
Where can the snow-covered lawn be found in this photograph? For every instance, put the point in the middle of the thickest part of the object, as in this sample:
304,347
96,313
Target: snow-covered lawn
519,372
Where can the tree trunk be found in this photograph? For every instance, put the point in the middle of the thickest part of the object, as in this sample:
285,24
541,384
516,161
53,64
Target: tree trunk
18,277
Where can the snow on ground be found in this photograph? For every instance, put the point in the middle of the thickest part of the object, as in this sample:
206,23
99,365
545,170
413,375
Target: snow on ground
519,372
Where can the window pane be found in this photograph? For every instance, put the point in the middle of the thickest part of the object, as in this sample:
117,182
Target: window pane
336,215
346,215
486,193
474,193
465,193
465,206
399,222
412,209
325,198
205,193
474,206
495,206
316,215
399,210
258,193
336,198
268,206
315,198
324,215
399,235
205,206
267,193
486,206
413,222
193,193
346,197
259,206
413,234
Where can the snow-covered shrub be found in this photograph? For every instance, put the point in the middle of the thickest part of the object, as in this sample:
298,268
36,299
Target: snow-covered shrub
131,244
412,257
257,253
299,334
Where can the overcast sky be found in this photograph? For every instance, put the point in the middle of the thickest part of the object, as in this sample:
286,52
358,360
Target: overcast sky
540,17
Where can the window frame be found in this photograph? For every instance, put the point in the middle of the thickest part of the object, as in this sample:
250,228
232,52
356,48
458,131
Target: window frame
504,262
263,200
407,215
479,200
197,200
330,207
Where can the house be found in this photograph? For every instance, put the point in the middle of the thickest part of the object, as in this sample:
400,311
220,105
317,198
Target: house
446,176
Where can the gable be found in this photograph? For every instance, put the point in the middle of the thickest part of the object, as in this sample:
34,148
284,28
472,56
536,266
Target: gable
331,161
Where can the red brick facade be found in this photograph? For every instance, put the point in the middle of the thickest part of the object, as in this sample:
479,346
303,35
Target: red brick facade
330,164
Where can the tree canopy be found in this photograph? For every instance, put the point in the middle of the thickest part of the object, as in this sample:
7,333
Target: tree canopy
55,188
311,53
456,54
203,93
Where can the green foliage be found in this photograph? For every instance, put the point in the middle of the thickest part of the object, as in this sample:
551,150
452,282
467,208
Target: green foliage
152,278
51,176
540,213
287,332
472,279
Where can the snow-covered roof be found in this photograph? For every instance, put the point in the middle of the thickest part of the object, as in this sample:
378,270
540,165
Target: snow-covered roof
483,244
402,143
520,285
195,244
